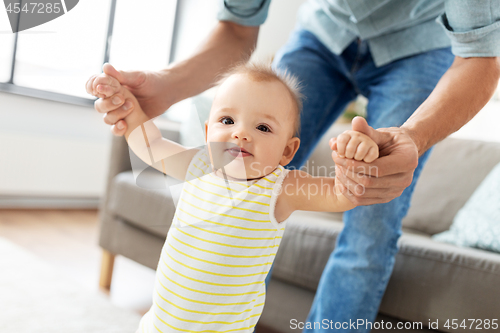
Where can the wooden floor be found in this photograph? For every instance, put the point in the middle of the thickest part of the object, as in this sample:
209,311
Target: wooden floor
67,239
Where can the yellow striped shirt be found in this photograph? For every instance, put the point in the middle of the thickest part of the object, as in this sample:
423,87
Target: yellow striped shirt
219,249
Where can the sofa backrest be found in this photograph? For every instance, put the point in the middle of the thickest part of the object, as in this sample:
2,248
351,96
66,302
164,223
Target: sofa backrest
454,170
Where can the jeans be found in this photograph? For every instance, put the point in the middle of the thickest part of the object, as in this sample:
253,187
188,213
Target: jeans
356,275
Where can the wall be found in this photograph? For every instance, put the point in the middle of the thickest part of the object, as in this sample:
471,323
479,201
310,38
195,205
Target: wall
51,153
273,33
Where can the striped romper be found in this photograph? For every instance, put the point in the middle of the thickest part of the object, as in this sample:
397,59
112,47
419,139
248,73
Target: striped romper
211,273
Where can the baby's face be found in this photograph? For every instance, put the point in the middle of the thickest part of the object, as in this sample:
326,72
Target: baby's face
256,118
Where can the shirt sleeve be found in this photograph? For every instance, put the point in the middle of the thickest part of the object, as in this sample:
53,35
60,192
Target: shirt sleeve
473,27
244,12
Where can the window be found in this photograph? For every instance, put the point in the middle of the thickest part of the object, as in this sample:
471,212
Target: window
142,34
59,56
6,49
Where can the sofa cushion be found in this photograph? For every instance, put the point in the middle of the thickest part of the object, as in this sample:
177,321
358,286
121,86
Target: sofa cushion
439,281
310,238
140,204
455,169
477,224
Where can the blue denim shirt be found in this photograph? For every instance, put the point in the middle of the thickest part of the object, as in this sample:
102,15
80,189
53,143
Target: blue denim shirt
393,28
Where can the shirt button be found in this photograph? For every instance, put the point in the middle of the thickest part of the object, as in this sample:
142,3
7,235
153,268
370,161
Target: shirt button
353,19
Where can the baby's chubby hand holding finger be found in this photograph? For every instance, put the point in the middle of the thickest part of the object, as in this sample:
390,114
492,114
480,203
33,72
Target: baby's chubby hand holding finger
355,145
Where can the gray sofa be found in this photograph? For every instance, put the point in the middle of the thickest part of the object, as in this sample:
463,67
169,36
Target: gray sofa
431,281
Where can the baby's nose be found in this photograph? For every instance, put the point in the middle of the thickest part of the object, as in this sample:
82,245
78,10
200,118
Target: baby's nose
242,135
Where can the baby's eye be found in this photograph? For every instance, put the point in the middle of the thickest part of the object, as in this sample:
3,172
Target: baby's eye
227,121
263,128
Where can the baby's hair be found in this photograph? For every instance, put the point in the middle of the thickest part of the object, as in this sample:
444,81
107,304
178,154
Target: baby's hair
260,71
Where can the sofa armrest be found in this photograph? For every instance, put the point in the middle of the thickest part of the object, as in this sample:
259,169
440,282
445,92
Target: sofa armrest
119,161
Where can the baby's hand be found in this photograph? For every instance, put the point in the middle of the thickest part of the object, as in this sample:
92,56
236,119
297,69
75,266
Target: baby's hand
355,145
102,85
112,101
134,116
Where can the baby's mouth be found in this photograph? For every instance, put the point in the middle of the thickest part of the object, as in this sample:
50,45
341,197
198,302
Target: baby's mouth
238,152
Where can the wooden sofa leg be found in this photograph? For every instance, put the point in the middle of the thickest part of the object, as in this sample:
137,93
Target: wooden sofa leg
108,260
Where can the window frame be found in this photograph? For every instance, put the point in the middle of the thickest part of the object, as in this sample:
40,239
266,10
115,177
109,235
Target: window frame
10,87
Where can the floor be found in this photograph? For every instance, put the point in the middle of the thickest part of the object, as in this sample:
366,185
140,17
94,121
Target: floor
67,239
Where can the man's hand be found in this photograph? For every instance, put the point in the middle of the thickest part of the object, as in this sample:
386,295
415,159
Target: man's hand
385,178
145,86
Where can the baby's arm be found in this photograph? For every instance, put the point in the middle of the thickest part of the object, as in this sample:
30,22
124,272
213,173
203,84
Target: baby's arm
301,191
146,141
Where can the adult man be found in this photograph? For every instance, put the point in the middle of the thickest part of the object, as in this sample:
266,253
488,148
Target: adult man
419,89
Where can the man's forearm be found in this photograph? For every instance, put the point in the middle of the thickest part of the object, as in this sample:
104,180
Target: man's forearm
460,94
227,44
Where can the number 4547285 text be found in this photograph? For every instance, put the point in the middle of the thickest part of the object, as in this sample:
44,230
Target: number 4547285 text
35,7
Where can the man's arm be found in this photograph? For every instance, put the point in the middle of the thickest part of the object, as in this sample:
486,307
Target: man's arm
460,94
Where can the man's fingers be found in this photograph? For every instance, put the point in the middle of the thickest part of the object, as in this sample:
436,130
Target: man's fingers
362,201
112,103
381,167
116,130
113,117
362,195
108,69
132,79
397,181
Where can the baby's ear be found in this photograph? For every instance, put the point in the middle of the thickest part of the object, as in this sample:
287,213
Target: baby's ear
290,150
206,130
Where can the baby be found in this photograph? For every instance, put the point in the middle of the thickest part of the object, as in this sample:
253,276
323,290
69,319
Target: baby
235,201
